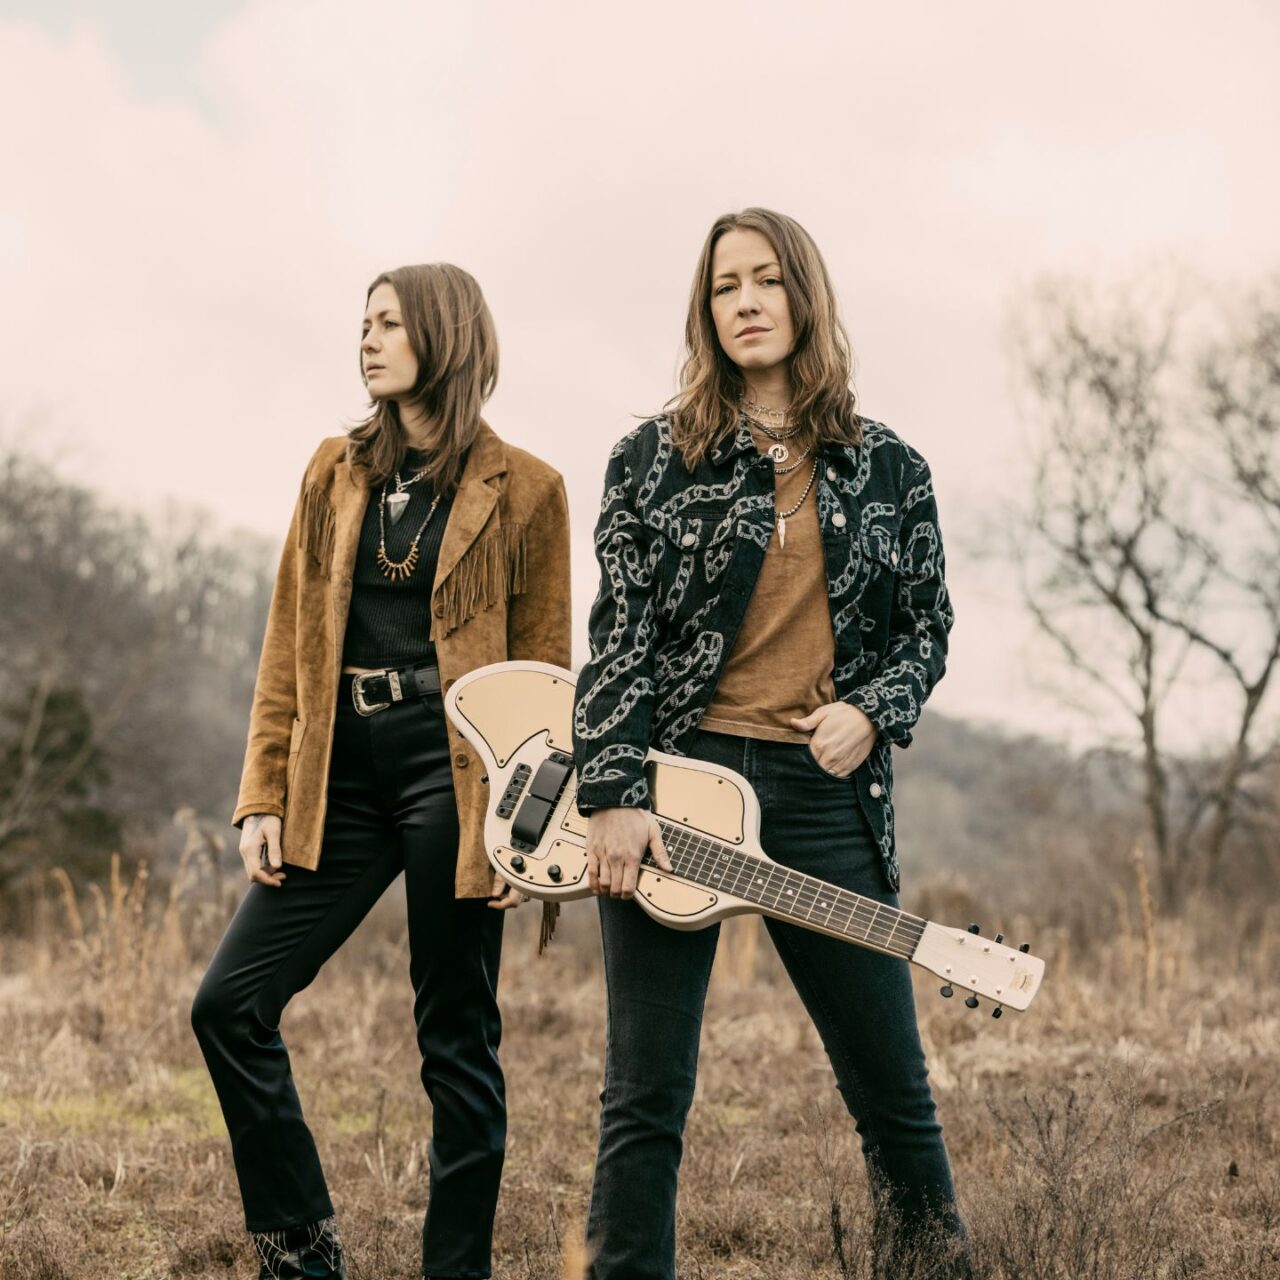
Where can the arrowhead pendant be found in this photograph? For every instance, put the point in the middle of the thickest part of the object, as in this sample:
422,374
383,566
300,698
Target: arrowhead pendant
396,503
782,531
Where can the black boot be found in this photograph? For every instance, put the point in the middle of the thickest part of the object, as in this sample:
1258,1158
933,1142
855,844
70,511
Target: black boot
310,1252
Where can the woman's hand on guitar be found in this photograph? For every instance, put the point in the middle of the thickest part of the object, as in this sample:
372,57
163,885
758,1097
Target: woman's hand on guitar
616,844
842,736
505,896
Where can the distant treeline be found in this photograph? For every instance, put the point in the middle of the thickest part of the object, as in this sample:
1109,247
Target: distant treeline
130,647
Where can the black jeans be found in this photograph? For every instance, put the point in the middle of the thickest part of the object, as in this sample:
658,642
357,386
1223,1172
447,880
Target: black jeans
391,807
860,1001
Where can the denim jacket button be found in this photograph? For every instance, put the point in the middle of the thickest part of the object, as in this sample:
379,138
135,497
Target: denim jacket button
838,519
875,790
688,540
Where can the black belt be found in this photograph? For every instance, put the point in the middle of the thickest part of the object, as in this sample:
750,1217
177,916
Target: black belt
376,690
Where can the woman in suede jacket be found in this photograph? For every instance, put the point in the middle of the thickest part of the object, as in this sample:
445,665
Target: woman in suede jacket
422,546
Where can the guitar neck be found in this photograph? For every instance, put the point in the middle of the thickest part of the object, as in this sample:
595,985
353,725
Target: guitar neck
790,895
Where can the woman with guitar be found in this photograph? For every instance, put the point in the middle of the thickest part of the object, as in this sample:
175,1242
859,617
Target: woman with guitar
772,600
422,546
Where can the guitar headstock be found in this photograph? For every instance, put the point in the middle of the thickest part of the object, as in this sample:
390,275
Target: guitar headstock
978,966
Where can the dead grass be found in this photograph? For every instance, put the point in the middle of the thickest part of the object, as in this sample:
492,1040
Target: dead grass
1126,1127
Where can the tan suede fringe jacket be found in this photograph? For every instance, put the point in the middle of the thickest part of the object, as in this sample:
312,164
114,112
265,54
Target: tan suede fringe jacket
501,592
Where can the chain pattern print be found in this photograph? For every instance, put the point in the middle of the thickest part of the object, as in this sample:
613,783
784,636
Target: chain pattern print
679,555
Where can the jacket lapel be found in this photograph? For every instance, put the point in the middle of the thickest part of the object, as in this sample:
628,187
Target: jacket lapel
350,499
349,502
473,503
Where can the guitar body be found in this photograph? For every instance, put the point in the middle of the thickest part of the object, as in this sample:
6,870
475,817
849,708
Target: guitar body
518,717
713,800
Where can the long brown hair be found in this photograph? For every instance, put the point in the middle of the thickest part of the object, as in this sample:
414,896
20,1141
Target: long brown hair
451,332
707,407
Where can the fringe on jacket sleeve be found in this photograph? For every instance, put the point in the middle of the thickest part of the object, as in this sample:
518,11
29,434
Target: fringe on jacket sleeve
493,569
317,526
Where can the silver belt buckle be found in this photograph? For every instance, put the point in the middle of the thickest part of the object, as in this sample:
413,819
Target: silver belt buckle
357,691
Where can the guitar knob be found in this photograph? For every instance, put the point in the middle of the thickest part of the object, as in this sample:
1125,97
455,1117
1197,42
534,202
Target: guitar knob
947,991
1026,946
997,1011
973,928
554,872
999,937
972,1002
517,862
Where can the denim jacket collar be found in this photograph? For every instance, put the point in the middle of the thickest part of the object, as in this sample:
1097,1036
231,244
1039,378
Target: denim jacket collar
741,442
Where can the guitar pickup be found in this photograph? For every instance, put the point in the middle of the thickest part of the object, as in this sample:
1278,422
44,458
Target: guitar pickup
519,777
544,792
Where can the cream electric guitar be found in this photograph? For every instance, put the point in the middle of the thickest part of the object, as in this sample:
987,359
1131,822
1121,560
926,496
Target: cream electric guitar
518,716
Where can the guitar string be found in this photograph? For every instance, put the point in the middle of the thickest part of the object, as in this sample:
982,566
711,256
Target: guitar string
798,895
692,849
716,861
795,894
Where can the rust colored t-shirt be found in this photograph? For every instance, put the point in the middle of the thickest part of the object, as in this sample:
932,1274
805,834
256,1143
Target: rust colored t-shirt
783,657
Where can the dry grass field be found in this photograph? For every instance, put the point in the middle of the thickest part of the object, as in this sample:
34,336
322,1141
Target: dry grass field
1128,1126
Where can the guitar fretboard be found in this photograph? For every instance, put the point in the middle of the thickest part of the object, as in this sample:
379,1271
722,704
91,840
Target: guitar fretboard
781,891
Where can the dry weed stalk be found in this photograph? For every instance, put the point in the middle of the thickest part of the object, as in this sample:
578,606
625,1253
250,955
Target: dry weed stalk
1148,921
738,953
126,951
1124,929
574,1266
1087,1195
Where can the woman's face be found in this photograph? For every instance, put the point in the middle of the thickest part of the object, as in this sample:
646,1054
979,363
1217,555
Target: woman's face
390,367
749,301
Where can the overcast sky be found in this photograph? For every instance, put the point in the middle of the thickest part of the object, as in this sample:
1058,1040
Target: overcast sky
194,197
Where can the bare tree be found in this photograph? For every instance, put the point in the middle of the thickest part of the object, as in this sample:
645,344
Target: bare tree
1150,547
1240,392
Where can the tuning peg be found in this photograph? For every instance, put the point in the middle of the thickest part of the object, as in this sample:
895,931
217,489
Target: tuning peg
947,991
973,928
1026,946
997,1011
972,1002
999,937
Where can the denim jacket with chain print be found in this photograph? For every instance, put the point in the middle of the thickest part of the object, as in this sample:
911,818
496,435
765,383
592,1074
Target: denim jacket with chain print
679,556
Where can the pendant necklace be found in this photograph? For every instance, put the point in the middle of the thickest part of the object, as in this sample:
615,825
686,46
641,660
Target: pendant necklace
777,451
398,501
782,515
783,471
399,570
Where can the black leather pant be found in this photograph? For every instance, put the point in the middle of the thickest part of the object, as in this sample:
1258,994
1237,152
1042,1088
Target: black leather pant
391,807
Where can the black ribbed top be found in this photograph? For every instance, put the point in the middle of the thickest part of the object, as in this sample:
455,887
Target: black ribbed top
390,622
